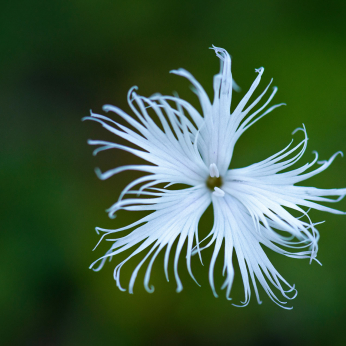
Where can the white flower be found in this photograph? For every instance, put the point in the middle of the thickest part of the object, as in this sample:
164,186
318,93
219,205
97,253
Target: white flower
250,204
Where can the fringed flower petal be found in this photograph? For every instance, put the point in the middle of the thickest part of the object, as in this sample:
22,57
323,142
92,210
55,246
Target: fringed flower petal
175,217
234,225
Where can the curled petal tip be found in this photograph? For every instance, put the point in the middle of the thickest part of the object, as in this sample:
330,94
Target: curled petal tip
150,289
106,108
99,173
259,70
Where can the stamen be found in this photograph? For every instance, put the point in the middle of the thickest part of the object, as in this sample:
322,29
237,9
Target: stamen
213,171
214,179
218,192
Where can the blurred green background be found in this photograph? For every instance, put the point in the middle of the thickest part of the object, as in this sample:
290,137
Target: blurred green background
58,59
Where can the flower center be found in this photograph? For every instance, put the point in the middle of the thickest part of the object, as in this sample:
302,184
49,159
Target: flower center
213,182
214,179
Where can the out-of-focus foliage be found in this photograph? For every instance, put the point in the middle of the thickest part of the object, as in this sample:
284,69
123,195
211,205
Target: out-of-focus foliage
58,59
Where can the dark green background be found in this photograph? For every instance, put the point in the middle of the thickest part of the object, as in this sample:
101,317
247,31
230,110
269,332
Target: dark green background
58,59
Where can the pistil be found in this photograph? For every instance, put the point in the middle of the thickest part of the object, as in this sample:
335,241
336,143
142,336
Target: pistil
214,181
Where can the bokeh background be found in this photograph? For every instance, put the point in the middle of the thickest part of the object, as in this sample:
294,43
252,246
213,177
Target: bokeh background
58,59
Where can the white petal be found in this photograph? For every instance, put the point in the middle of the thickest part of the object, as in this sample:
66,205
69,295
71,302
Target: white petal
176,215
171,150
202,95
222,129
273,190
234,225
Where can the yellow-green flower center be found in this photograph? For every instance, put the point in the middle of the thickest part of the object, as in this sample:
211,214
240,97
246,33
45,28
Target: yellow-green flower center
213,182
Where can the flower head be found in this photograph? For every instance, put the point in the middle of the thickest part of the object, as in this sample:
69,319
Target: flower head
251,205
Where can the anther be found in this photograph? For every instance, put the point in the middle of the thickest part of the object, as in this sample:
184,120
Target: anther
213,171
218,192
214,179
